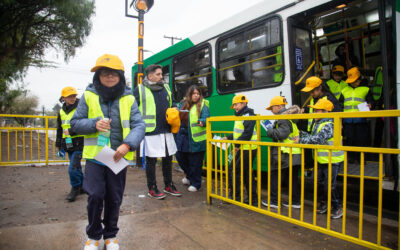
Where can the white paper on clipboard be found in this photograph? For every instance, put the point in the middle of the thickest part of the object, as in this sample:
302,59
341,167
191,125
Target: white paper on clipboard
105,156
218,144
363,107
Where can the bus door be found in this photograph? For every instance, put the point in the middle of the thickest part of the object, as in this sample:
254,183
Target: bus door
301,60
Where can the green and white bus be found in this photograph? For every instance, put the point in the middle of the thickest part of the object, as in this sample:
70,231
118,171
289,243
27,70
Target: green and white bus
270,49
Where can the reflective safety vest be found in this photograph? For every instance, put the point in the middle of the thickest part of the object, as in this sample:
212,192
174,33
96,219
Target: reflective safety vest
148,106
238,131
336,88
377,89
91,148
65,122
290,139
198,132
353,97
311,110
278,76
323,154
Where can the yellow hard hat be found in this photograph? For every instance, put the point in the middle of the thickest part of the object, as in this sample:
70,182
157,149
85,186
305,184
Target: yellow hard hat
239,99
173,119
311,83
277,100
338,68
67,91
108,61
323,104
353,74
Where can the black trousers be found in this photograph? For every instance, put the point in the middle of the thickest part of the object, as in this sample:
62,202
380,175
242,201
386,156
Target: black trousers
151,170
105,190
285,177
192,165
323,184
356,134
246,171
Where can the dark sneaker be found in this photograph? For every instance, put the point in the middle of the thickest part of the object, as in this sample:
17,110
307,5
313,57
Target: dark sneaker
322,208
82,191
171,189
72,195
294,204
273,204
337,213
154,193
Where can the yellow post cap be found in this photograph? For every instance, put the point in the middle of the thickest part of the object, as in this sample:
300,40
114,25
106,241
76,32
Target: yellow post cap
338,68
323,104
277,100
172,116
353,74
238,99
108,61
67,91
311,83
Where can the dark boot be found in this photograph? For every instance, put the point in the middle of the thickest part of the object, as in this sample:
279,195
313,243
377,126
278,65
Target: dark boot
82,191
72,195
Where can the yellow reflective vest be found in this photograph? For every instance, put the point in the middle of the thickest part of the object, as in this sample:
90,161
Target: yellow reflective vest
238,130
290,139
91,149
198,132
377,89
353,97
323,154
66,120
148,106
336,87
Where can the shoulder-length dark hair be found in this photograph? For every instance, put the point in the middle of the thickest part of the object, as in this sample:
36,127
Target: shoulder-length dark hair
188,99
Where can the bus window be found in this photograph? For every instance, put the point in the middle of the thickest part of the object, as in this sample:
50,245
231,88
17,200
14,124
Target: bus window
192,69
251,58
165,72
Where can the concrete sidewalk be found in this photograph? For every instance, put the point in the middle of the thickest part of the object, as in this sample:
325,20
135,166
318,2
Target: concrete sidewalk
197,227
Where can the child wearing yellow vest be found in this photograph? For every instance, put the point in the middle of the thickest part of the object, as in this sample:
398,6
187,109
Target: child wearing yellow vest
322,134
284,131
336,84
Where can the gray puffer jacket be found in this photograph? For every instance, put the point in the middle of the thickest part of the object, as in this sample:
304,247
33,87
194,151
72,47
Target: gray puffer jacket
280,130
81,124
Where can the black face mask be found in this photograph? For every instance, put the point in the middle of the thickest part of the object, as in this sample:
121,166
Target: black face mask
109,93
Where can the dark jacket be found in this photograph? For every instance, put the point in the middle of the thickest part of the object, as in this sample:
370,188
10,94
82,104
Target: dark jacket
184,140
248,126
77,142
83,125
161,99
281,130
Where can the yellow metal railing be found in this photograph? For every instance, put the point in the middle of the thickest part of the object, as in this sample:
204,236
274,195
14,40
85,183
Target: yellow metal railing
37,146
350,227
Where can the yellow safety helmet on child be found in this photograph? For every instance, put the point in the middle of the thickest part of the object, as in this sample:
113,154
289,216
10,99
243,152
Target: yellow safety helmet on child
67,91
324,104
239,99
108,61
277,100
353,74
312,83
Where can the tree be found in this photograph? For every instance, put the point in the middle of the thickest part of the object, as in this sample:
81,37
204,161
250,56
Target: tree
25,104
9,95
29,27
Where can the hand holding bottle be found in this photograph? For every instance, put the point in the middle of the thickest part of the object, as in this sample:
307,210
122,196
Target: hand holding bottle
103,125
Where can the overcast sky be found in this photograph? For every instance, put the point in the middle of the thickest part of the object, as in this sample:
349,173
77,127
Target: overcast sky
114,33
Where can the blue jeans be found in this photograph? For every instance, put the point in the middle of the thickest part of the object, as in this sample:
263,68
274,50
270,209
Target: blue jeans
192,165
75,168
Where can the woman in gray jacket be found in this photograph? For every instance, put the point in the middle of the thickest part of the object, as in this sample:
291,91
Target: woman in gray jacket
107,115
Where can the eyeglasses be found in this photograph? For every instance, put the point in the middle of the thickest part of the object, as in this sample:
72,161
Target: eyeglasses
108,72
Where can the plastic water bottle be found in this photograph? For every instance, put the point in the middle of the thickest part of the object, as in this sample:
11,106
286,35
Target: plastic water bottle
104,137
230,157
68,142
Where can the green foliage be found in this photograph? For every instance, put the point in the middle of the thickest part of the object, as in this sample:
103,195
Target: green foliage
29,27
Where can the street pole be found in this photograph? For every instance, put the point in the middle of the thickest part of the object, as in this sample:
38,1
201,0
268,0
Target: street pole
140,47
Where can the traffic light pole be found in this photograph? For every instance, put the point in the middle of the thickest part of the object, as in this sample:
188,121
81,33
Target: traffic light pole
140,46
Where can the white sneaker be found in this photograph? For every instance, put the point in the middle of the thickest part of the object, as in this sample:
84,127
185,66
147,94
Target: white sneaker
111,244
91,245
185,181
192,189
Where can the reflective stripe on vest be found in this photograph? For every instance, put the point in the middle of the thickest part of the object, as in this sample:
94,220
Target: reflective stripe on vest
90,148
323,154
353,97
336,88
377,89
66,120
290,139
198,132
310,111
238,130
148,106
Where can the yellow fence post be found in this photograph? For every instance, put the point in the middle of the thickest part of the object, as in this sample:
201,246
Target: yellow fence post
47,140
209,160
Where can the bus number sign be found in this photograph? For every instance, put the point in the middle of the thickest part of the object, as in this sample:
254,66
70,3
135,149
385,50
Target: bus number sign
299,58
